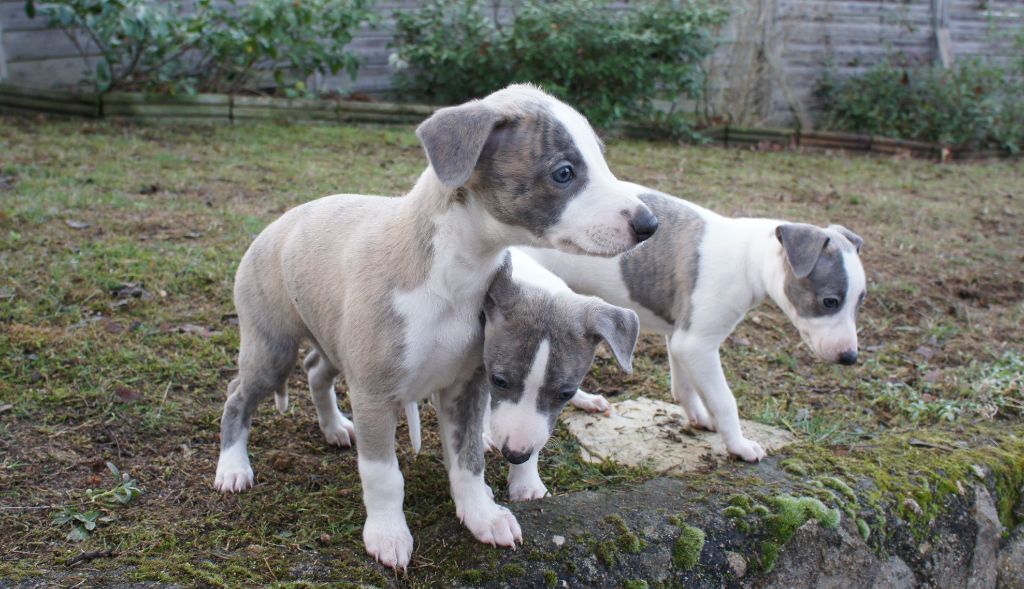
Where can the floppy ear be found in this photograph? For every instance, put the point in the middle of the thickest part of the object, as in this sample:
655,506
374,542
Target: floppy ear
619,328
855,239
453,138
502,293
803,245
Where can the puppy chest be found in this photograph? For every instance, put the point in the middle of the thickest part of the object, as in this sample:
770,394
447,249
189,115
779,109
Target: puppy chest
439,340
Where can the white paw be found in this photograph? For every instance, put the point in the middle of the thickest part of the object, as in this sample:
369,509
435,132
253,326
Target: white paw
341,432
591,403
699,416
527,491
748,450
493,524
234,474
388,541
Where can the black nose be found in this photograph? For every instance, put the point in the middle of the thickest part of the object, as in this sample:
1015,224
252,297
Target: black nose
644,224
848,358
515,457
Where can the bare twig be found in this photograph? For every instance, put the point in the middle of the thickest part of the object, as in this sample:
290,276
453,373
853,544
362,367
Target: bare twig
87,556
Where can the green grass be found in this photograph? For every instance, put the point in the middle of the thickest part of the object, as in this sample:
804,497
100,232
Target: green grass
92,376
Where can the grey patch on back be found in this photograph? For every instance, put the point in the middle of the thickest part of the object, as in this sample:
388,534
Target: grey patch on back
518,160
826,277
453,138
665,288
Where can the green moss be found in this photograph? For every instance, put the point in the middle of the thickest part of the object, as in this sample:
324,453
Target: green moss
686,552
734,512
512,571
862,527
740,500
794,467
838,485
759,510
550,578
625,539
472,576
635,584
788,513
607,553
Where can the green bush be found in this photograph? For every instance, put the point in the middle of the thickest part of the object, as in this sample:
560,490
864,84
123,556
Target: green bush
973,104
612,64
217,47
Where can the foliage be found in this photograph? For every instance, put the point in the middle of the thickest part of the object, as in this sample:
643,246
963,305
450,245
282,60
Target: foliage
215,47
612,64
83,523
973,104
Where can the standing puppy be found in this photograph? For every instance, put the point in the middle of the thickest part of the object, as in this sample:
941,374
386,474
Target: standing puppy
539,343
696,279
389,290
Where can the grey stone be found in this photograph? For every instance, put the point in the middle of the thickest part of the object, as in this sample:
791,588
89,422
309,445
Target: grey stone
986,543
656,434
737,563
1010,565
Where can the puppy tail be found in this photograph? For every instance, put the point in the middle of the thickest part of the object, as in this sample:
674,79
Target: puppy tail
412,416
281,398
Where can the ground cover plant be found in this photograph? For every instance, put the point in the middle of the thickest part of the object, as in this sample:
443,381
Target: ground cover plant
117,341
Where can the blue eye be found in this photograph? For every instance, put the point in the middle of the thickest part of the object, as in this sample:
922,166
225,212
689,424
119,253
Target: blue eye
563,175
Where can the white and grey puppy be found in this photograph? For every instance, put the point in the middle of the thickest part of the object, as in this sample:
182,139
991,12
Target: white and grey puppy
388,291
539,342
696,279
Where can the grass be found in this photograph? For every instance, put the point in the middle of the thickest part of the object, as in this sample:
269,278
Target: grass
117,250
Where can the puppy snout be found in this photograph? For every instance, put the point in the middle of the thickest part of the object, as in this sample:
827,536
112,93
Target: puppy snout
848,358
515,457
644,224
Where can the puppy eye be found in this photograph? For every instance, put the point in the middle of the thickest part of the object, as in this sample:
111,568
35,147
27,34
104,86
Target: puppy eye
831,302
499,381
563,175
566,394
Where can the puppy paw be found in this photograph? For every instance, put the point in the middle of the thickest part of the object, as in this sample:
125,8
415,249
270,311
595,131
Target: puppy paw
493,524
591,403
748,450
234,474
388,541
340,432
527,491
699,416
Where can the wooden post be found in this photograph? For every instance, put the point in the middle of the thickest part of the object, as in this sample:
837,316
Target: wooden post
943,40
3,55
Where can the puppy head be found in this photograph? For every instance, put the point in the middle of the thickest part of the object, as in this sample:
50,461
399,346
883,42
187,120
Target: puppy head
537,168
537,349
824,286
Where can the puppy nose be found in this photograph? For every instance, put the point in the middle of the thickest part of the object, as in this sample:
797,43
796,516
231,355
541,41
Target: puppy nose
848,358
644,224
515,457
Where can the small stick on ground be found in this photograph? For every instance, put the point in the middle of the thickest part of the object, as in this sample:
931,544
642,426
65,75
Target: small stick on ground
87,556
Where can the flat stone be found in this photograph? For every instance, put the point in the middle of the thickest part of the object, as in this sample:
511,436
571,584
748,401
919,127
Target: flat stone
658,435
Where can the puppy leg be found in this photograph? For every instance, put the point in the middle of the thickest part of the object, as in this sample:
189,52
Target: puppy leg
702,364
264,364
337,429
590,403
524,482
385,534
460,412
686,395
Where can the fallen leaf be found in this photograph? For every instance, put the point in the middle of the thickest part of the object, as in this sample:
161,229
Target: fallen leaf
127,395
197,330
6,407
132,290
76,224
150,189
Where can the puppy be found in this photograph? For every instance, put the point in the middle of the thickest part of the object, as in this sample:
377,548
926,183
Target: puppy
388,292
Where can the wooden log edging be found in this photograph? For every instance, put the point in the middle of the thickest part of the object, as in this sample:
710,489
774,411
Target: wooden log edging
205,108
223,108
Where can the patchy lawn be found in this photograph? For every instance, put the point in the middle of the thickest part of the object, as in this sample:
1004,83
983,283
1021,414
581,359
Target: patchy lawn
118,247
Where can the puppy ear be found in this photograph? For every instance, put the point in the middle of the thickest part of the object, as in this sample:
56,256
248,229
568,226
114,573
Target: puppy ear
453,138
502,293
619,328
803,245
855,239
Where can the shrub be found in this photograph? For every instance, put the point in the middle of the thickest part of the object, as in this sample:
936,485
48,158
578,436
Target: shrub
610,63
215,47
973,104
